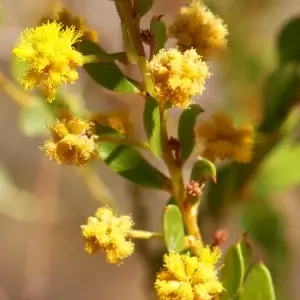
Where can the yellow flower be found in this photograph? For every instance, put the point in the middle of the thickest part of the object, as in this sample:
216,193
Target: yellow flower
197,27
52,60
176,77
221,139
187,278
67,19
107,232
72,142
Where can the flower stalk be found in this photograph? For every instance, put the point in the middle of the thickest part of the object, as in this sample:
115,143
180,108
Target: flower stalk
143,235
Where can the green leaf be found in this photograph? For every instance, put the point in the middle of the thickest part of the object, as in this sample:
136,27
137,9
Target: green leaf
104,130
232,273
159,30
106,73
203,169
35,119
128,162
186,134
88,47
152,125
279,96
247,251
174,229
143,6
109,57
288,41
258,285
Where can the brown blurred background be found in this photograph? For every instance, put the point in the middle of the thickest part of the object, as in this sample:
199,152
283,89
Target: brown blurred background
42,205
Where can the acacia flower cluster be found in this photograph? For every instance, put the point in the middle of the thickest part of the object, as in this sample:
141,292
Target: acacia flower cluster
186,277
108,233
175,77
72,141
50,56
172,77
197,27
220,139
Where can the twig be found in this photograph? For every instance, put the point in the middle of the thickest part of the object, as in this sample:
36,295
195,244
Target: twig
144,235
16,93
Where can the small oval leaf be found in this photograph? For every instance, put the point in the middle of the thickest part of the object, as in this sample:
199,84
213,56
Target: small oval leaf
258,285
152,125
173,229
106,73
232,273
203,169
247,251
143,6
288,42
127,161
159,30
186,134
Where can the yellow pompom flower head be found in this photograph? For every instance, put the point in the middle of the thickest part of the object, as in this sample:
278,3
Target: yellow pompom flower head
187,278
72,140
175,77
107,232
51,58
197,27
220,139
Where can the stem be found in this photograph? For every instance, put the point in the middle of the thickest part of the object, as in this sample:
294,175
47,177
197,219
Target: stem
130,21
174,170
189,211
144,235
190,218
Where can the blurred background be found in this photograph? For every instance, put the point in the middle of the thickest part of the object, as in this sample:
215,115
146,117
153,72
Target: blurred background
42,205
